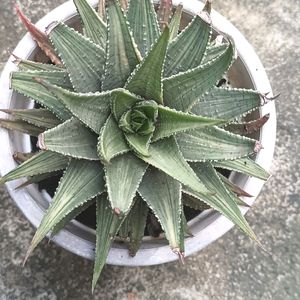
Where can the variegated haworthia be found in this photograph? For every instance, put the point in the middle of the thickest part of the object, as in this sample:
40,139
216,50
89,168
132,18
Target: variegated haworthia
133,114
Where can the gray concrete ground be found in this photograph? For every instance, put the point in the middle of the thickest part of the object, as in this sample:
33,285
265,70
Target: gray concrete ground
231,268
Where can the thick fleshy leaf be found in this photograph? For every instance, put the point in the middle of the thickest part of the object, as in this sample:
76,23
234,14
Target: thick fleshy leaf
82,181
214,143
108,225
92,109
26,84
212,52
187,50
43,162
233,187
183,90
93,26
164,13
171,122
134,225
111,141
146,79
247,128
122,54
163,195
70,216
83,59
166,156
71,138
139,143
222,201
193,202
21,126
143,23
39,36
39,117
175,22
28,65
123,176
227,103
243,165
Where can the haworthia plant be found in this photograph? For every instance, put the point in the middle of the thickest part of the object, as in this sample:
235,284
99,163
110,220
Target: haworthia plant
133,116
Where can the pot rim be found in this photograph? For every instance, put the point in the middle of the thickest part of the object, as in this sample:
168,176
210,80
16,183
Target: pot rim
209,225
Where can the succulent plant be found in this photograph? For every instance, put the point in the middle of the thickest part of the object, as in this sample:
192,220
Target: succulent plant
131,111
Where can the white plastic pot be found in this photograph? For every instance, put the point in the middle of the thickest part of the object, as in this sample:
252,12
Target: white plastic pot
247,72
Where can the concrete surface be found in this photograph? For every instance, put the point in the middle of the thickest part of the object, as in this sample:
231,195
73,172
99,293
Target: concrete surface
231,268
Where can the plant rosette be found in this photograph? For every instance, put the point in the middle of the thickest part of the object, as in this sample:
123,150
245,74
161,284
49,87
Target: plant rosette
134,112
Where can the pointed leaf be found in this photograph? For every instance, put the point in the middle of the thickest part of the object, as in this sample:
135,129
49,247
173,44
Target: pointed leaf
233,187
222,200
111,141
26,84
227,103
39,117
71,138
166,156
214,144
21,126
243,165
212,52
175,22
187,50
143,23
122,54
193,202
171,122
39,36
83,59
108,225
183,90
123,176
164,13
139,143
92,109
43,162
146,79
93,26
70,216
163,195
82,181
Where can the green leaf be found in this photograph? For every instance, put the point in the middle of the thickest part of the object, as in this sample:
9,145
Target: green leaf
227,103
187,50
146,78
71,138
28,65
93,26
21,126
39,117
82,181
192,201
214,144
171,122
36,179
183,90
212,52
111,141
163,195
26,84
243,165
175,22
43,162
143,23
70,216
222,201
123,176
92,109
139,143
166,156
108,225
134,225
233,187
83,59
122,54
